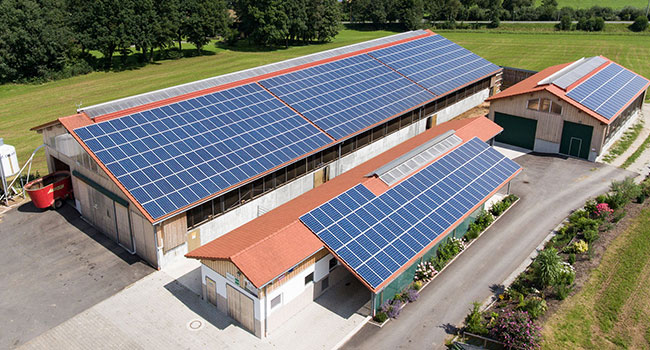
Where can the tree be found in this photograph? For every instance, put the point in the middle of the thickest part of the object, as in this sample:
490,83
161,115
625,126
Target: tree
410,13
324,20
168,17
547,267
202,19
263,22
296,11
640,24
565,23
103,25
146,27
34,38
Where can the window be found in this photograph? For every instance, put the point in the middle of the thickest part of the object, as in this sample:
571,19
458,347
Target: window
231,199
269,182
363,139
378,132
330,154
258,187
276,301
217,206
309,278
333,263
280,177
348,146
200,214
301,168
556,108
393,126
533,104
245,193
546,105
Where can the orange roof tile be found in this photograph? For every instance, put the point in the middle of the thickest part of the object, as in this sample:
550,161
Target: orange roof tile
279,237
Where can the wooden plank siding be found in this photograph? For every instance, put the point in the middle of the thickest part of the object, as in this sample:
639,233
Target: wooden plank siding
549,125
173,232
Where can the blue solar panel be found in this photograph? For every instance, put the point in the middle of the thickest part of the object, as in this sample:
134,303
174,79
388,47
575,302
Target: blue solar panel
385,232
435,63
177,154
345,96
609,90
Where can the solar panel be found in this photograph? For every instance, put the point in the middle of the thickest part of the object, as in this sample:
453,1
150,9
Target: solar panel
579,71
348,95
377,235
435,63
407,166
174,155
609,90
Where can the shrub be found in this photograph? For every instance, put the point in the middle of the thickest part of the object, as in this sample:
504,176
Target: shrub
484,219
391,308
590,235
417,285
603,211
498,208
516,329
572,258
584,224
562,291
618,216
622,193
472,232
547,267
567,274
640,24
580,247
424,272
474,322
580,213
380,317
412,295
535,307
446,252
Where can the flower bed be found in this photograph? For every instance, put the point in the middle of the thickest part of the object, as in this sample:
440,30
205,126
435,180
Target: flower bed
551,275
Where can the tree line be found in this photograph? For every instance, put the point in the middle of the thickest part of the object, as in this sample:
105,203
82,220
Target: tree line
48,39
413,12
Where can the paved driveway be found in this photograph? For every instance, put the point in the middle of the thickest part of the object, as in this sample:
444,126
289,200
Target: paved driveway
549,187
53,265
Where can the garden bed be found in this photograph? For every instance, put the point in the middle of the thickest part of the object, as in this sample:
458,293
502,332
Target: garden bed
560,269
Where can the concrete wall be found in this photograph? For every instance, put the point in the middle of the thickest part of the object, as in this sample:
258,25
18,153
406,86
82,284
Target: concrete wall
451,112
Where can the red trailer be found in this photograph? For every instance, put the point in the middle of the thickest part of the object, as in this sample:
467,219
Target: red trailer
50,190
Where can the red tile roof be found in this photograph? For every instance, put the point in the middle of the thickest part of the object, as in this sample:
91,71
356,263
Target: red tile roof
531,85
266,247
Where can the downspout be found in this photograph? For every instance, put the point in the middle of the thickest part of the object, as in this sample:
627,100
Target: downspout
266,312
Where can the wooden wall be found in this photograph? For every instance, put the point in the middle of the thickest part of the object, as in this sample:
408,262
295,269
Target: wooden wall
549,125
173,232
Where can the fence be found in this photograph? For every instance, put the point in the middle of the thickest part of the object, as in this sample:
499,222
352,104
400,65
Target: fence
512,76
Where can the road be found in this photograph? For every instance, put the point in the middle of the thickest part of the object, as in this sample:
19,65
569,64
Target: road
54,266
550,188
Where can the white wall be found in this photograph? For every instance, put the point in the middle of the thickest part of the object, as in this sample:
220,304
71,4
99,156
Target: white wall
322,268
463,106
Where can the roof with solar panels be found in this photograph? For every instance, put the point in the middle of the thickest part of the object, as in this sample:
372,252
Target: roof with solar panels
380,216
172,149
596,85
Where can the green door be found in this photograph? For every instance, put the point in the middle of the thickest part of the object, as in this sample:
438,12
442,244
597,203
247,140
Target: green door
576,140
517,131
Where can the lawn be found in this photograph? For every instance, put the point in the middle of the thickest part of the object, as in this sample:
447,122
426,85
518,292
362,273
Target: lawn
581,4
24,106
613,308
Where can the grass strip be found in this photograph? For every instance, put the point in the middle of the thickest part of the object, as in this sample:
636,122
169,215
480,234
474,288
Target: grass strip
632,258
624,142
633,157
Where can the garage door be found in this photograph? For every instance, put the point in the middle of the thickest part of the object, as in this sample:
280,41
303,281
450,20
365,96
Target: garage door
517,131
576,139
241,308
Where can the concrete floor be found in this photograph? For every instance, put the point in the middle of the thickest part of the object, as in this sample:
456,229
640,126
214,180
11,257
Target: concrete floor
550,188
54,266
155,313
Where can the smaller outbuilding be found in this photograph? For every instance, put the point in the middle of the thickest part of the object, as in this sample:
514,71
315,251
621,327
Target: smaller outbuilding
577,109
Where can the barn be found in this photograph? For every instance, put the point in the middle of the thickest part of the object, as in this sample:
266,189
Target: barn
577,109
165,172
374,223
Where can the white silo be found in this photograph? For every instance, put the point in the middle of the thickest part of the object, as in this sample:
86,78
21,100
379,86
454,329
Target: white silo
8,159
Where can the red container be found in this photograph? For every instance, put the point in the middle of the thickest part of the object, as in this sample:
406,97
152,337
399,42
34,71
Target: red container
50,190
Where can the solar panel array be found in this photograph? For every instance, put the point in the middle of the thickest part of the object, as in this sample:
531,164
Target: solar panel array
345,96
377,235
609,90
175,155
408,166
435,63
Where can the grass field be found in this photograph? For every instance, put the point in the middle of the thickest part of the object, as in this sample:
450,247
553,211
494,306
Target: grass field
24,106
612,311
581,4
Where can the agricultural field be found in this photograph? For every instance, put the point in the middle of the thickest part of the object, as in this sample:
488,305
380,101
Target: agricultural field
23,106
582,4
613,308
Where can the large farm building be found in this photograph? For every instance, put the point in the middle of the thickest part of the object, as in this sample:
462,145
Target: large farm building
285,180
